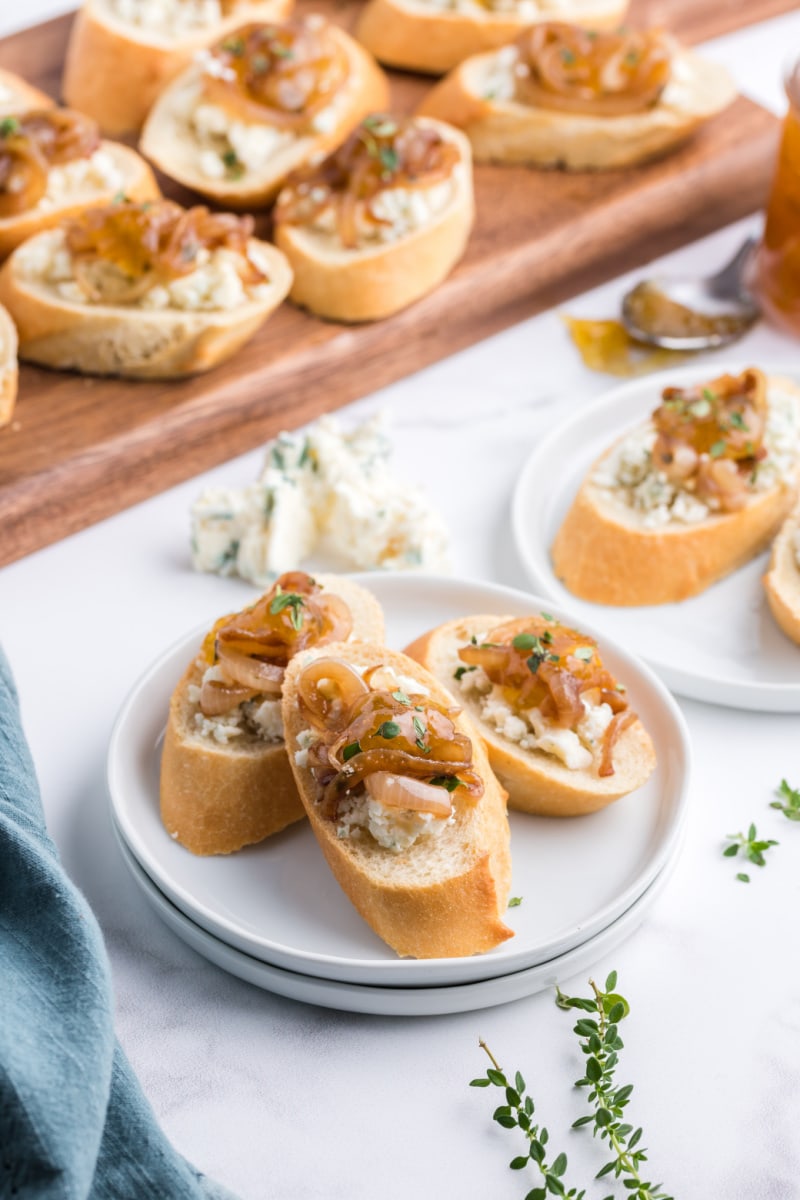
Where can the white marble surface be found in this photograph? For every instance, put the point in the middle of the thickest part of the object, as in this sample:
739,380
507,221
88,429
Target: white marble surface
277,1099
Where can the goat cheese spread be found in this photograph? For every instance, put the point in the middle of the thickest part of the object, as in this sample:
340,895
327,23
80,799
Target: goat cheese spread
215,285
397,212
326,490
98,173
576,748
627,473
167,18
259,717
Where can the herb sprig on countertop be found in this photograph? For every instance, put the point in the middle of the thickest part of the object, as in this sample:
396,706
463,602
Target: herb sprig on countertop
750,846
789,803
600,1042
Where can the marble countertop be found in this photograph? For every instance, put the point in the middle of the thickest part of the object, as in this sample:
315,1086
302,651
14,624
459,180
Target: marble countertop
279,1099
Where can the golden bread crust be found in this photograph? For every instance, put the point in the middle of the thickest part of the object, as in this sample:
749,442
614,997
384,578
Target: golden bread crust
23,95
536,782
439,901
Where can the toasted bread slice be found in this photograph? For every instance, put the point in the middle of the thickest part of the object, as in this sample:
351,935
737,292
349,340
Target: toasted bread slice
782,580
443,896
114,70
537,781
130,175
420,36
9,370
218,797
606,552
127,340
506,131
170,140
375,279
19,96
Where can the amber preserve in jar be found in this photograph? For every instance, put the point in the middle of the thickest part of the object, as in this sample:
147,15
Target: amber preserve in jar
777,264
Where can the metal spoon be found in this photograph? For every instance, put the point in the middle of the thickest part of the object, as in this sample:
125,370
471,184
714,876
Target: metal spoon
693,314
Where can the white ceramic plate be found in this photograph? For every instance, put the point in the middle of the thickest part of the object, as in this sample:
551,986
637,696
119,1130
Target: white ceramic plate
722,646
278,901
395,1001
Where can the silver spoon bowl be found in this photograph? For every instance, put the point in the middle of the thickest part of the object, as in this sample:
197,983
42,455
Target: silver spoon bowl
681,313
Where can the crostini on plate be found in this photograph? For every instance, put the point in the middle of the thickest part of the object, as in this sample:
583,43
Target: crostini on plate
17,95
54,164
687,497
259,104
9,370
379,223
436,35
561,736
142,290
399,793
226,781
122,53
564,96
782,580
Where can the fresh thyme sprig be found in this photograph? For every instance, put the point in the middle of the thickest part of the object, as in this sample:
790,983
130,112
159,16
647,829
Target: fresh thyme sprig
750,847
517,1113
789,805
600,1042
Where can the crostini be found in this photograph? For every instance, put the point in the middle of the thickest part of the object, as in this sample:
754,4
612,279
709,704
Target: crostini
54,164
560,734
434,36
560,95
381,222
9,370
260,104
122,53
18,96
147,291
782,580
686,498
401,798
226,781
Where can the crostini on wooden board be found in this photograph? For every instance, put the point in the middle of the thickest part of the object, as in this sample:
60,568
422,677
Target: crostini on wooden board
260,104
564,96
122,53
380,222
146,290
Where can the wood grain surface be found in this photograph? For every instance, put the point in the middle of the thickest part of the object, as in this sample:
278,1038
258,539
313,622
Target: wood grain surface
80,449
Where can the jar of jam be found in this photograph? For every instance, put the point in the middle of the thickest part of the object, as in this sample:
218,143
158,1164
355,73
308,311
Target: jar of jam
777,264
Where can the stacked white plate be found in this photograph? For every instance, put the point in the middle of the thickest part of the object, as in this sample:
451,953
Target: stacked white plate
273,914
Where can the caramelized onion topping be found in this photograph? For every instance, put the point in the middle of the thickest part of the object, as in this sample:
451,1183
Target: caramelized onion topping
370,734
280,74
541,664
383,152
252,647
571,69
33,143
121,250
710,437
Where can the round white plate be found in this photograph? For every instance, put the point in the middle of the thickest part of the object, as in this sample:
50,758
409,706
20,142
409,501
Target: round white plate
278,901
394,1001
722,646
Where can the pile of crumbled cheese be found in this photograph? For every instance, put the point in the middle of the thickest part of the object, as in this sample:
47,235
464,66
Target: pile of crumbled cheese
323,490
172,18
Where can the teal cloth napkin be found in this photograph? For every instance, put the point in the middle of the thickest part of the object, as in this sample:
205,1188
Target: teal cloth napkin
74,1123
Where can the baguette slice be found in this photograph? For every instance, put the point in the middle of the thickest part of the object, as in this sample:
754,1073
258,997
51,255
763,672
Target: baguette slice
604,552
782,580
138,184
114,71
375,280
537,782
217,798
419,36
134,342
19,96
169,140
9,370
505,131
442,897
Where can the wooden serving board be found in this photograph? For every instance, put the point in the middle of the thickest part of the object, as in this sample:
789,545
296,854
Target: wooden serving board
80,449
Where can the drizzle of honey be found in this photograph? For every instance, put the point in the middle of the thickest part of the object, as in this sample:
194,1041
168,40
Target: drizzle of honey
606,346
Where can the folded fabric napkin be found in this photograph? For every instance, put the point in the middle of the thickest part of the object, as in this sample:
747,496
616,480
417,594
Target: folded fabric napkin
73,1120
